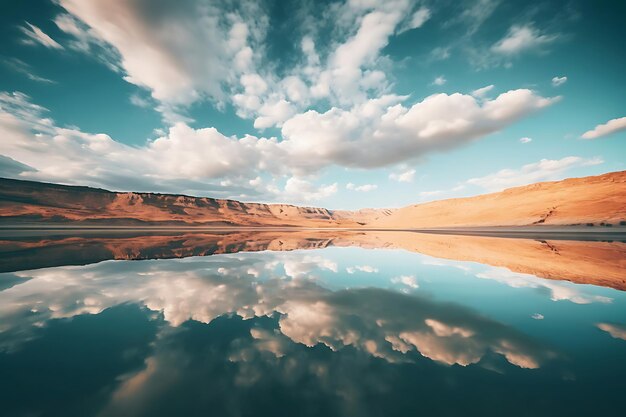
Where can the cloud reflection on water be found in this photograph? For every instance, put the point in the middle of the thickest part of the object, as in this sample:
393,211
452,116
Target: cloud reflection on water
382,322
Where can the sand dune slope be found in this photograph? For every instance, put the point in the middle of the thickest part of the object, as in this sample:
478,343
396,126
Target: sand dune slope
599,199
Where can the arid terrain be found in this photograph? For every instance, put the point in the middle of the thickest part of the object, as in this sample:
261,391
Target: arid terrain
588,201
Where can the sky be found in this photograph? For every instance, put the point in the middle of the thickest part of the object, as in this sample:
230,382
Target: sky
341,104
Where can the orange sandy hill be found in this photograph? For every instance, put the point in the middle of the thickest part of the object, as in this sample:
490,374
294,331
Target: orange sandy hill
576,201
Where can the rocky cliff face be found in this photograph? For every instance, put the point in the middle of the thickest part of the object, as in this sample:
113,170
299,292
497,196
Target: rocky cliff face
27,201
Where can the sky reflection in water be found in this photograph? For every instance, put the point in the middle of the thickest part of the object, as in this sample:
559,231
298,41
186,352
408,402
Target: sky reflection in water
334,331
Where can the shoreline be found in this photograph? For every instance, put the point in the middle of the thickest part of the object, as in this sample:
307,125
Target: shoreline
526,232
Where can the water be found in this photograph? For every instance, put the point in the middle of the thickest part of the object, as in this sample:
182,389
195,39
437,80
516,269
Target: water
310,324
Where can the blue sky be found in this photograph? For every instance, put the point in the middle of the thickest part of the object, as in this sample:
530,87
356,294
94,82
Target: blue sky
342,104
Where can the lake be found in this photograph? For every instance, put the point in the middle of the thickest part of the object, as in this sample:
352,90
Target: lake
310,323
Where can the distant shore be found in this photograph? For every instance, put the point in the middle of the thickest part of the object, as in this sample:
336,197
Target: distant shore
574,232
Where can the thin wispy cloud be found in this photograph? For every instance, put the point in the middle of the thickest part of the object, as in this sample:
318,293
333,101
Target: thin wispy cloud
34,36
543,170
362,188
25,69
521,39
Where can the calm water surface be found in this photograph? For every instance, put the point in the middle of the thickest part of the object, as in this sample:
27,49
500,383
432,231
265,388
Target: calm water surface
311,325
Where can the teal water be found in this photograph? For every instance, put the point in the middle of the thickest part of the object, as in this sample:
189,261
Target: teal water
336,331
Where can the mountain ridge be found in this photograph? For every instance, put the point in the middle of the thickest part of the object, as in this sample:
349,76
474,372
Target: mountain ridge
597,200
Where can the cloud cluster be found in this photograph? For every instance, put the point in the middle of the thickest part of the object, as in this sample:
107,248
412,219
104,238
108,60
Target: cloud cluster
216,51
379,132
382,323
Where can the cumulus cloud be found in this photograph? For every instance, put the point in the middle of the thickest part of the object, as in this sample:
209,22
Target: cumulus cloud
557,81
608,128
521,39
544,170
35,35
298,189
382,131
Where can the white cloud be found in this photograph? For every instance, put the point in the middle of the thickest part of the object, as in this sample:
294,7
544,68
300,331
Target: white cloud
300,190
431,193
177,70
615,330
362,268
405,176
383,132
610,127
525,140
34,35
23,68
440,54
426,195
364,188
139,101
421,16
520,39
559,291
406,280
440,80
482,92
544,170
177,66
557,81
